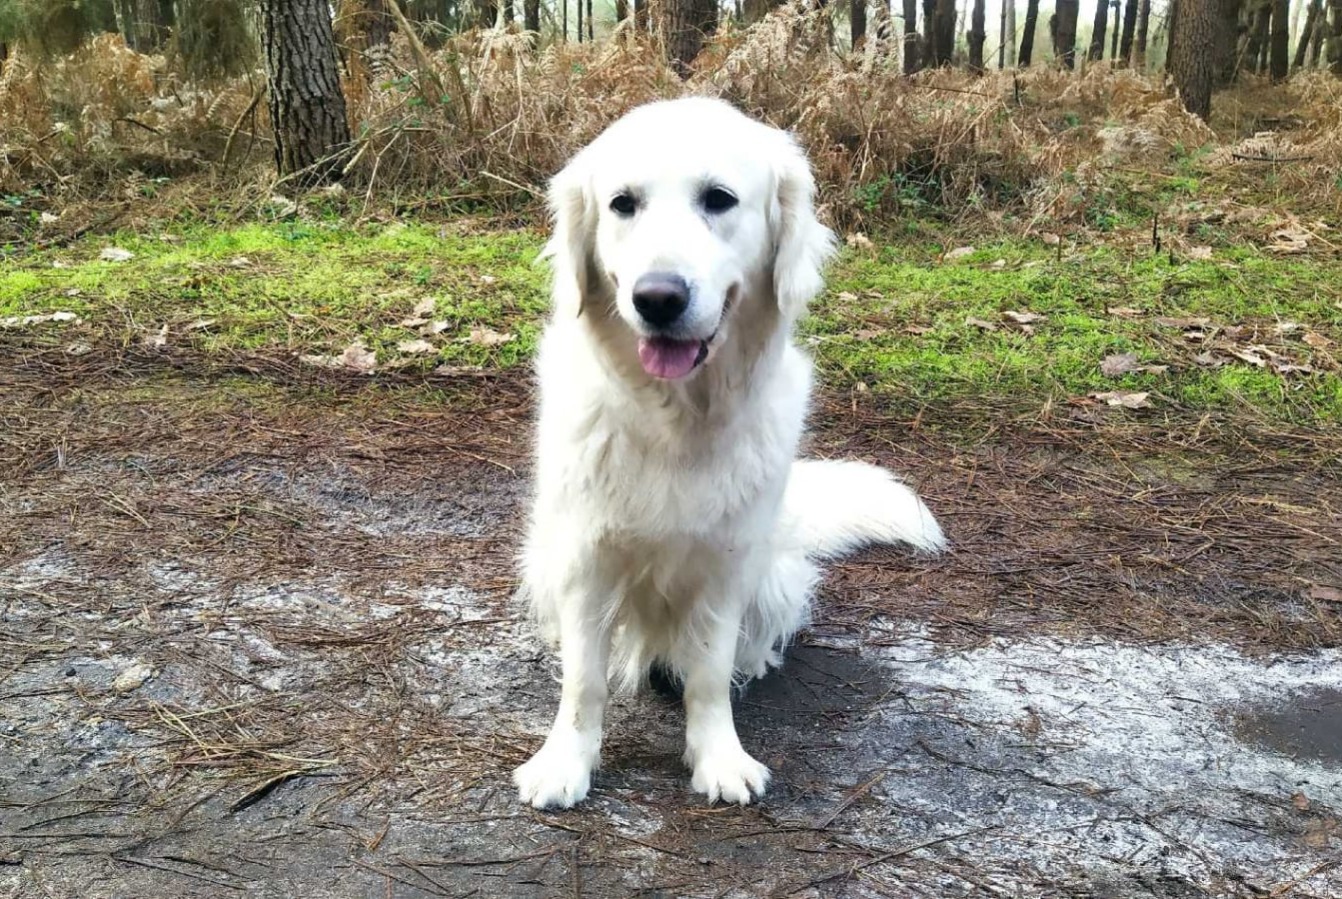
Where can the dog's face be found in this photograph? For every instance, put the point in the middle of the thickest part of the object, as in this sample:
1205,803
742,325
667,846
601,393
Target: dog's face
681,212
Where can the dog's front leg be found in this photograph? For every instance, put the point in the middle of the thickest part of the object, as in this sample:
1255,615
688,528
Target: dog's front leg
722,769
560,774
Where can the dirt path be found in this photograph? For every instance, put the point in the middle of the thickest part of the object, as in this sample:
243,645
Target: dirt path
257,639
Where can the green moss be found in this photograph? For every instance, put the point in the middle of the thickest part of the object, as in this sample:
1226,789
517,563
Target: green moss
895,318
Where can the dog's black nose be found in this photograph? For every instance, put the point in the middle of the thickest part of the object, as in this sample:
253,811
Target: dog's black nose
661,297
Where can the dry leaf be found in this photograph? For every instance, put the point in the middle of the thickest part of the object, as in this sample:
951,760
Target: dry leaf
1125,311
847,296
359,358
115,254
78,349
1318,341
415,347
918,330
432,328
1250,357
47,218
980,323
424,308
1125,398
132,677
1051,239
1200,254
1286,327
1022,318
1324,593
1290,368
1166,321
1300,801
489,337
159,339
1289,240
200,324
859,241
1211,360
1318,833
1126,363
240,262
867,333
999,264
487,279
958,253
20,321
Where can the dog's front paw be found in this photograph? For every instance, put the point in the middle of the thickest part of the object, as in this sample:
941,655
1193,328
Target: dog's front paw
730,775
556,777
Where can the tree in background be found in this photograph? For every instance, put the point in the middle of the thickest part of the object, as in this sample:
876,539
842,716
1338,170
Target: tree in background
1143,25
1027,35
1129,25
1098,30
1306,36
307,106
857,23
684,25
912,45
976,36
1280,54
943,33
1192,41
1335,38
1064,32
1227,42
1006,55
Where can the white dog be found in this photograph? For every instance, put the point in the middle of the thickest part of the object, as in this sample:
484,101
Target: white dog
671,523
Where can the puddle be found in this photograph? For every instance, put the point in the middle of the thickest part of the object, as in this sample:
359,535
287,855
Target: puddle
1306,726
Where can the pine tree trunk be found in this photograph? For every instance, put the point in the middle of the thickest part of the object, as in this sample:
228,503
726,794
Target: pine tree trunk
591,22
1099,27
1335,38
1114,31
857,21
1279,58
944,33
580,3
1192,43
977,36
1171,20
1064,47
307,107
929,55
1227,42
1306,34
684,26
1258,35
531,15
1143,26
1129,26
1027,36
912,42
1009,39
564,21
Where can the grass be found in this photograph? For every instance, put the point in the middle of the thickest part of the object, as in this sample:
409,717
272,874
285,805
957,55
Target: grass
898,319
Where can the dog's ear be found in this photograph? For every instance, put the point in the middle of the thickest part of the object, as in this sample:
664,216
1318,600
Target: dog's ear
572,246
802,245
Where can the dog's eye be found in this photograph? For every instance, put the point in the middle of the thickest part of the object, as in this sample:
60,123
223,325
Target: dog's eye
718,199
623,205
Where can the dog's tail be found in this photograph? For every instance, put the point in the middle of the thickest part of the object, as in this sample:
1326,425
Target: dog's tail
832,508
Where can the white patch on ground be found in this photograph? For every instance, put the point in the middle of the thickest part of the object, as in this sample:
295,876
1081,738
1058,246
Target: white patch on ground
1095,757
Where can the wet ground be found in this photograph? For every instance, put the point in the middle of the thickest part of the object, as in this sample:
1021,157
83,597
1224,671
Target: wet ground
262,644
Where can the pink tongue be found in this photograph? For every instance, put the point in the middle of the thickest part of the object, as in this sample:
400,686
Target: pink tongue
666,358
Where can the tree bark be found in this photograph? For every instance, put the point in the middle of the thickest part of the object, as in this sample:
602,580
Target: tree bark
531,16
1064,44
857,21
1261,16
912,42
977,36
1027,35
580,3
1009,37
929,55
944,33
1306,34
1191,65
1114,30
1143,25
1227,42
1279,58
1099,27
1335,38
591,22
307,107
1129,26
685,24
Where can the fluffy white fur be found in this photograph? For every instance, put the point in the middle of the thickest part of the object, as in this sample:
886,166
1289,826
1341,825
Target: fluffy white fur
671,523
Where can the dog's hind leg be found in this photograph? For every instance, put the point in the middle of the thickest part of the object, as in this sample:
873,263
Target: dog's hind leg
779,607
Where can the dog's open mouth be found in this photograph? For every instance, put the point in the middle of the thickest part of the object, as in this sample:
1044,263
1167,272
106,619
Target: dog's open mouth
669,359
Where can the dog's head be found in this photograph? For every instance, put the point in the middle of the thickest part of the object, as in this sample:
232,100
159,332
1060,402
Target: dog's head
675,217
